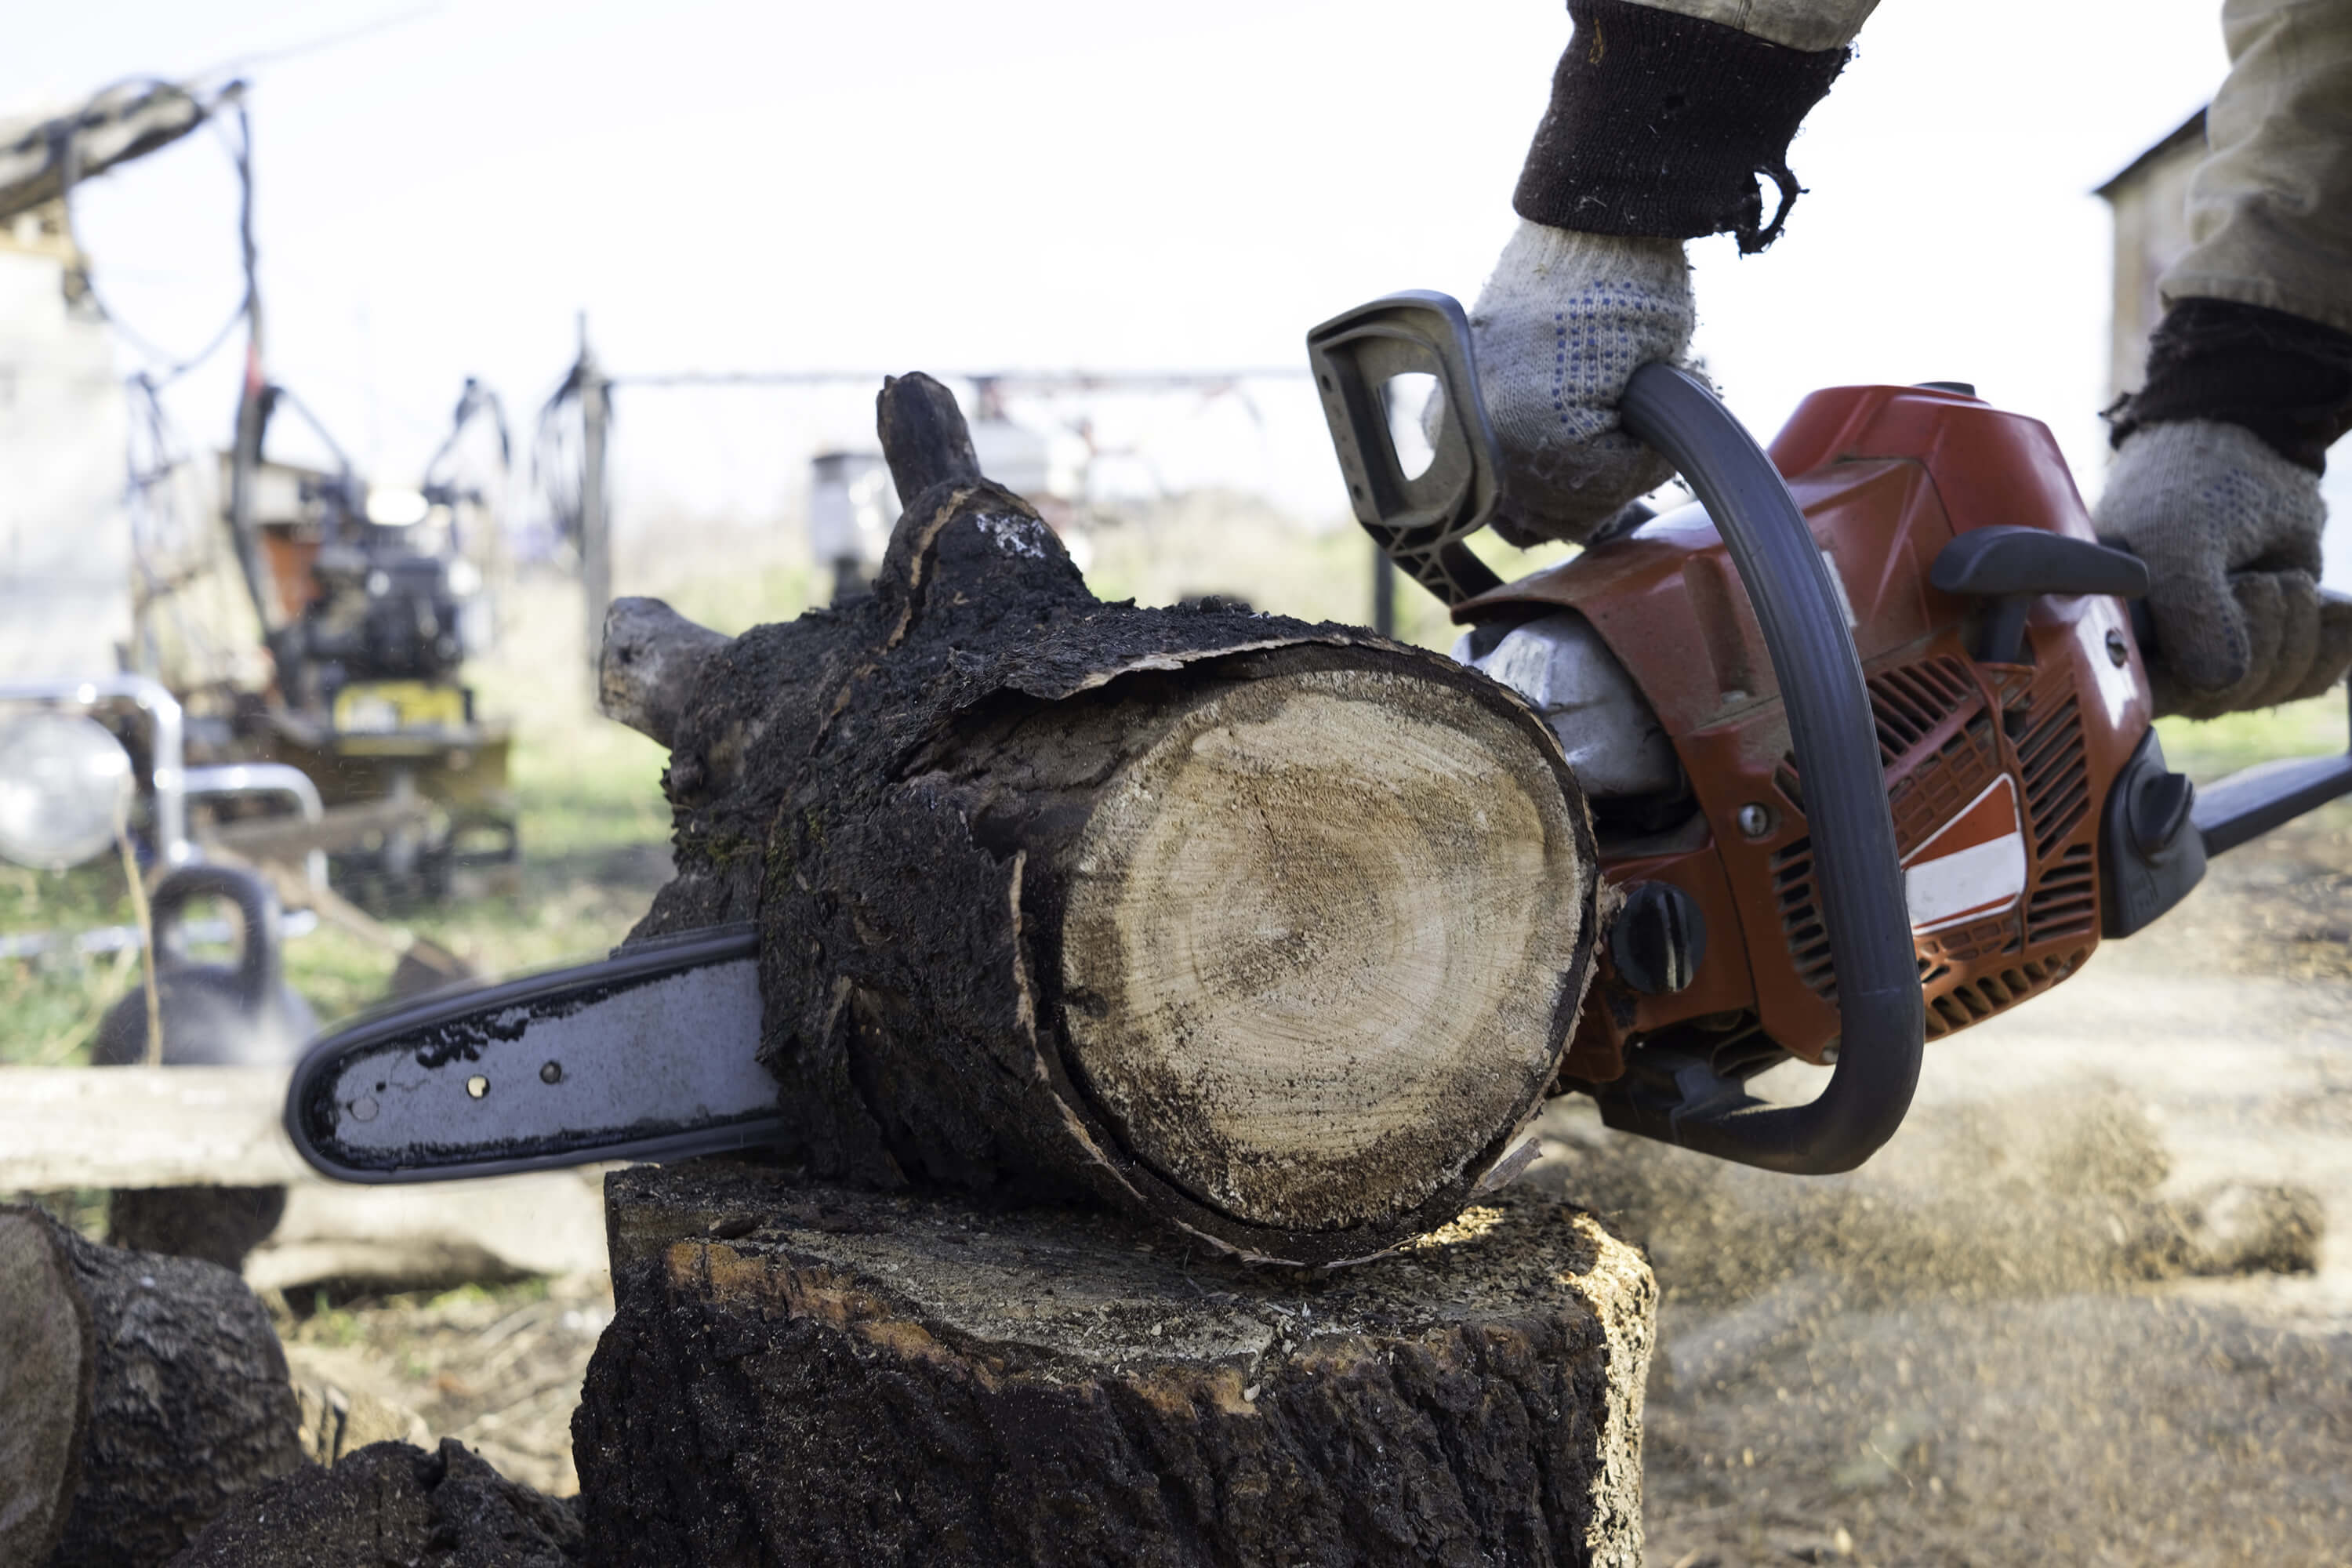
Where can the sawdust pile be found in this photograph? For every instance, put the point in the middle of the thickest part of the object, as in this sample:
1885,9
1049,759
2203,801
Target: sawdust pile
1978,1350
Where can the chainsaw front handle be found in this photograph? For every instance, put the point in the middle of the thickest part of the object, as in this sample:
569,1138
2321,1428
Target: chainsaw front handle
1421,523
1858,873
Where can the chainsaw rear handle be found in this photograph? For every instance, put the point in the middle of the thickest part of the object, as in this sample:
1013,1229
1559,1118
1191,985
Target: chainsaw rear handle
1858,872
1421,523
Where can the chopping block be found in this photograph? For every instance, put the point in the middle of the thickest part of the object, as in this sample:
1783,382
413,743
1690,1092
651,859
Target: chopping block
806,1374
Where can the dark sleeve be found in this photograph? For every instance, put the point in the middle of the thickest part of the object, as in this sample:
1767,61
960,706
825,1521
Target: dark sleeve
2285,378
1661,125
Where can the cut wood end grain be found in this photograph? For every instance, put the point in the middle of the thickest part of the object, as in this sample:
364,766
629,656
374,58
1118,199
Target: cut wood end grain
1322,942
46,1348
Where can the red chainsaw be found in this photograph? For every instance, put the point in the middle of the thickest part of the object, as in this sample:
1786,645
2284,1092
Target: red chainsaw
1864,728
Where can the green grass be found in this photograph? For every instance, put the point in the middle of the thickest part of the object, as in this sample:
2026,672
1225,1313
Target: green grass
2209,748
50,1006
1236,546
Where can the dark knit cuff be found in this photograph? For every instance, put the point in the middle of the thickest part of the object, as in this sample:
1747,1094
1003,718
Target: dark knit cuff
2283,377
1660,124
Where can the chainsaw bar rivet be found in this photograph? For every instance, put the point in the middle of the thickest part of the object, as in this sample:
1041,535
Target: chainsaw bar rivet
551,1073
478,1086
1755,819
364,1109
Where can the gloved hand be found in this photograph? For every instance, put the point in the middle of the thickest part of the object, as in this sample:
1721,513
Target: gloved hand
1561,327
2229,530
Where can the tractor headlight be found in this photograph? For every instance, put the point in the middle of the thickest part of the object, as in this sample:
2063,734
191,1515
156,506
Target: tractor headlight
63,783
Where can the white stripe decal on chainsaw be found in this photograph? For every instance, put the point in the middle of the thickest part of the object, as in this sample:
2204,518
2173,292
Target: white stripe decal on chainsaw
1972,866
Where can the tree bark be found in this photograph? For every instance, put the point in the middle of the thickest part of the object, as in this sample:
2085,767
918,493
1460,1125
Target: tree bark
812,1374
138,1394
1273,931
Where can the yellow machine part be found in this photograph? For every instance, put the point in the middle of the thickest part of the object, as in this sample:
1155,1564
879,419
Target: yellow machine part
385,707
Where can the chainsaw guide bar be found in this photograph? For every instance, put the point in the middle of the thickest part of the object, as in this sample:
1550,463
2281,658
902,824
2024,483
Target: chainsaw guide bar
649,1055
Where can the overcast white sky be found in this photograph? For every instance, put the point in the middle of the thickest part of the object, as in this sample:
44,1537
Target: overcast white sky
1050,183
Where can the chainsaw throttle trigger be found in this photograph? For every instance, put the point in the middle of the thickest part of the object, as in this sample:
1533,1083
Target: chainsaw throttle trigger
1418,519
2015,566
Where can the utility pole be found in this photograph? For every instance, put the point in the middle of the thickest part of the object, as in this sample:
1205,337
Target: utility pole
595,534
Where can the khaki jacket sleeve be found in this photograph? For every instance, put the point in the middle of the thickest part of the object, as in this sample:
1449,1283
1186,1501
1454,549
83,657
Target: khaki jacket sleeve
2270,210
1792,24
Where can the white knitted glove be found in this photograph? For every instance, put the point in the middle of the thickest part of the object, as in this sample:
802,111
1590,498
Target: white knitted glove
2229,530
1561,327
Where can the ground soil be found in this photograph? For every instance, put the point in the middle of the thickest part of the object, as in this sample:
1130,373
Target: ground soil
499,1369
1980,1349
1983,1348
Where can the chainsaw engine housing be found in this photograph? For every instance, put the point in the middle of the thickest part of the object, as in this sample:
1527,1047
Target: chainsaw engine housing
1999,771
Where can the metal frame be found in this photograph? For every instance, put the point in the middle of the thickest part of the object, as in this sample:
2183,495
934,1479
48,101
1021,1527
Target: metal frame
168,780
266,778
172,784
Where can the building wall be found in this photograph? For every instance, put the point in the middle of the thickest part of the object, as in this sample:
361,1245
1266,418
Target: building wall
65,534
2151,225
2150,206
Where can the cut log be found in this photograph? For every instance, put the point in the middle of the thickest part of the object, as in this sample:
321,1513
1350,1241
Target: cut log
802,1373
1273,931
142,1392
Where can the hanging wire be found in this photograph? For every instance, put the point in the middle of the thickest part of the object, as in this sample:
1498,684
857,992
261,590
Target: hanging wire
559,455
476,401
65,151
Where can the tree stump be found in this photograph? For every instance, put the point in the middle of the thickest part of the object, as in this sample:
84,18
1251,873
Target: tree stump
1275,932
811,1374
138,1394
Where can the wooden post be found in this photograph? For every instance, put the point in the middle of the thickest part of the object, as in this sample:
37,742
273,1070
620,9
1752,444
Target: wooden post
244,463
799,1374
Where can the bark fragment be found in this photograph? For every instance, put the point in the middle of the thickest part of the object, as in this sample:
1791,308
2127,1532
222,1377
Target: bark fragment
393,1506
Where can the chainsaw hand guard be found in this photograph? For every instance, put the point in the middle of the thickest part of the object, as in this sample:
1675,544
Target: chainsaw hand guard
1420,520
